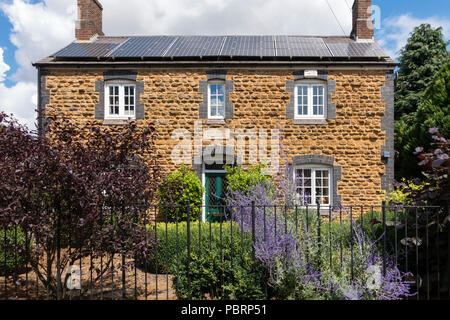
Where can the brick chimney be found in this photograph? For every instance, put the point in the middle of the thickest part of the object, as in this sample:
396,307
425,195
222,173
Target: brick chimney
89,23
362,21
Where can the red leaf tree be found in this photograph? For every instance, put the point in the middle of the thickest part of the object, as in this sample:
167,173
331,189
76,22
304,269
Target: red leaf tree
77,192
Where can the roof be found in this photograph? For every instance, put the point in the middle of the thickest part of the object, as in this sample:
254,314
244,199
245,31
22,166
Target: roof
226,48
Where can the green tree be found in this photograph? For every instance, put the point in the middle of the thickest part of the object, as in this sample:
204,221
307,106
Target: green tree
433,111
422,57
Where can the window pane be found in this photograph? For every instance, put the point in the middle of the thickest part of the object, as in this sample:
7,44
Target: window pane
307,173
221,100
116,91
304,90
213,111
221,111
302,100
307,196
126,91
111,91
221,89
213,101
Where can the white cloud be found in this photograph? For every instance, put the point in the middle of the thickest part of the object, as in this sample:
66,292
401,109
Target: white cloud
225,17
20,100
396,31
38,30
3,67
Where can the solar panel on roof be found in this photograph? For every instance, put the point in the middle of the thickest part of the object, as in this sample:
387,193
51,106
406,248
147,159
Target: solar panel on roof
196,46
86,50
215,46
144,47
356,49
292,46
254,46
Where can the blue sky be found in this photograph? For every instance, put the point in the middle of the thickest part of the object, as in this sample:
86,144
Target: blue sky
33,29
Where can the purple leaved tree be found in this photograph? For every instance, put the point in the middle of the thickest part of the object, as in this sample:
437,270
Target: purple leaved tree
74,193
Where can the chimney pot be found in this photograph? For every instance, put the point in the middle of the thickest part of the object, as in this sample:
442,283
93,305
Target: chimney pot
89,23
363,30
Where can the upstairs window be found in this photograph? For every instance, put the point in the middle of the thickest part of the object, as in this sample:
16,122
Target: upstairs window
310,101
313,184
120,100
216,101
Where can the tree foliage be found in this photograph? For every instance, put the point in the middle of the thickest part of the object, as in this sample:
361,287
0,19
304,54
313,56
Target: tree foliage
436,168
433,111
72,192
419,94
423,55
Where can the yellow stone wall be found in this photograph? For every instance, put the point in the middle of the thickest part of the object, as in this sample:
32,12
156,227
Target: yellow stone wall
172,99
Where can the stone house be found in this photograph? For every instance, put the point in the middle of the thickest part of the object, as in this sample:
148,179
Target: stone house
329,99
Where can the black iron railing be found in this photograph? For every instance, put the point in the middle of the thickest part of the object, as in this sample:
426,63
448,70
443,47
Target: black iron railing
414,239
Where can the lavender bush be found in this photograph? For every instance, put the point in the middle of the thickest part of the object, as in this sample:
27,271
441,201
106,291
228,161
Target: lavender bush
300,263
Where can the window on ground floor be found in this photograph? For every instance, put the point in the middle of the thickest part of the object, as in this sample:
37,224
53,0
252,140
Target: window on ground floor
313,184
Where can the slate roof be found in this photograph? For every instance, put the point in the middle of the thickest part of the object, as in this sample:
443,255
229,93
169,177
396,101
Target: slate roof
221,47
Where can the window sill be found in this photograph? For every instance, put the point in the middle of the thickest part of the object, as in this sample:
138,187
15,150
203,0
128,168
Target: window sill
116,122
216,121
310,121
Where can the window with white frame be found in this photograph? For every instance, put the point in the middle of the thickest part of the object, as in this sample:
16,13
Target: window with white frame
312,184
216,101
310,101
120,100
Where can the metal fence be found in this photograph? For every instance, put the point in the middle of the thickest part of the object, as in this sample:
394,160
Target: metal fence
415,239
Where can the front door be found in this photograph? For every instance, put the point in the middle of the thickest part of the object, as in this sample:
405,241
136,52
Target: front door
215,187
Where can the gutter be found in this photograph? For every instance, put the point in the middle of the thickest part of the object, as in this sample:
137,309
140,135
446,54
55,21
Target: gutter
205,64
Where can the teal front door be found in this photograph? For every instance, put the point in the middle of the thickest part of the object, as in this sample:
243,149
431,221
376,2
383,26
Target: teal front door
215,187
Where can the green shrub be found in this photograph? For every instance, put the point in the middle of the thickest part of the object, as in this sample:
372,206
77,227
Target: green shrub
179,189
12,252
402,195
242,180
221,264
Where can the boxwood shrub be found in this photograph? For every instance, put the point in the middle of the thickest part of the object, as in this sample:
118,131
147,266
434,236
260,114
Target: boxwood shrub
180,188
221,265
12,252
